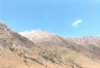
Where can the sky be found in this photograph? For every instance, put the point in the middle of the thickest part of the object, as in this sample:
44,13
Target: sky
63,17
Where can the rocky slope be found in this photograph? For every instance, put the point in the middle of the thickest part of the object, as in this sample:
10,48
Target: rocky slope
40,49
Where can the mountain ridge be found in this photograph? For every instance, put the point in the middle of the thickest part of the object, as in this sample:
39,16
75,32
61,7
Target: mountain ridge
42,49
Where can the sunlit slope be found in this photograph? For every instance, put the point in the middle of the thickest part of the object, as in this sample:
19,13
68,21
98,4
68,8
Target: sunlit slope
40,49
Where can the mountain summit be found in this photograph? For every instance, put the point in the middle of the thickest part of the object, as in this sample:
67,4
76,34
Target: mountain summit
41,49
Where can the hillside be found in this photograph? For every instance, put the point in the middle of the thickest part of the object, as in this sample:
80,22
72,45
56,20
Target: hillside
41,49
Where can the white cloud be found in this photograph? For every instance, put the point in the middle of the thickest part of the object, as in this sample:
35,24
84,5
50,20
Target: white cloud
77,23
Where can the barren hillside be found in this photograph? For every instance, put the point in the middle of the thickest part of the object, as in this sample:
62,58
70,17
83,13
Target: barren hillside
41,49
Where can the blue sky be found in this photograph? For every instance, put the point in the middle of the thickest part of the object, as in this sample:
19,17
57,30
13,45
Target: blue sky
64,17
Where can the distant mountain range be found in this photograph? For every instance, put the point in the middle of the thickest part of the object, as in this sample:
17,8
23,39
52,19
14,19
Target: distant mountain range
41,49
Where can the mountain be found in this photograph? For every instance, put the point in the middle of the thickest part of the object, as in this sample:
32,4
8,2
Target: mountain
15,49
87,47
41,49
